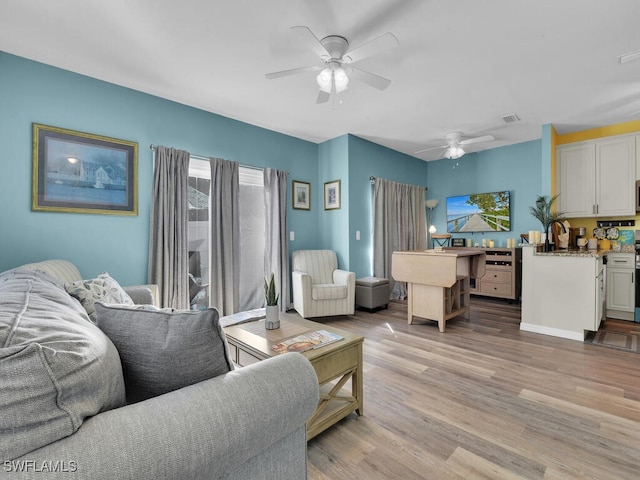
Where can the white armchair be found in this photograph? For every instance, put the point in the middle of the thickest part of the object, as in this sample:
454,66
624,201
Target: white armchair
320,289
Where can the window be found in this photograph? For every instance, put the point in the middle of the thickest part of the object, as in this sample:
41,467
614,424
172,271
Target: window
252,235
198,234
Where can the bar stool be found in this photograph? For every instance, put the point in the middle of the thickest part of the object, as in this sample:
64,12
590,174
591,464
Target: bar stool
442,239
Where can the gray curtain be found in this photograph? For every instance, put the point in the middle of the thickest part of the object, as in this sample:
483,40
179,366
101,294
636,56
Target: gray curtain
225,236
276,252
168,255
399,224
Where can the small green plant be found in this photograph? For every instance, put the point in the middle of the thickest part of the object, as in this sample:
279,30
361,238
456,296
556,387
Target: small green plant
544,213
270,293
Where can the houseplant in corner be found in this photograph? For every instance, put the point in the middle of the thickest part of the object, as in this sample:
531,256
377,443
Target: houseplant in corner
272,320
543,212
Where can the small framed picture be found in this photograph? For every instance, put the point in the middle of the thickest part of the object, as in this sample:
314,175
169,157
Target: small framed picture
332,195
301,195
83,173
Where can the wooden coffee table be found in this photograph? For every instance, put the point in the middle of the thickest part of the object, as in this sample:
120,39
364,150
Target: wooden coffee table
335,364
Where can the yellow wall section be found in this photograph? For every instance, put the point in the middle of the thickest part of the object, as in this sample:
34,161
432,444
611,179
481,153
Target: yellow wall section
607,131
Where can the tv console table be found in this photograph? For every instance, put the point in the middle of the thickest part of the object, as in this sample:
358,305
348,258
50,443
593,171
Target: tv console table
503,274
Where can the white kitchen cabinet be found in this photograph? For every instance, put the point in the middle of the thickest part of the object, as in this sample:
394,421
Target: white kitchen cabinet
596,178
576,177
563,294
621,286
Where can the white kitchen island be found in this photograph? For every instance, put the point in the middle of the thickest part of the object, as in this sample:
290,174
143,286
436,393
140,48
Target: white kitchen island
563,293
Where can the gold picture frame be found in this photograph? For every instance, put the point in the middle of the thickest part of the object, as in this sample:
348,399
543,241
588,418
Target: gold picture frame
301,195
332,195
83,173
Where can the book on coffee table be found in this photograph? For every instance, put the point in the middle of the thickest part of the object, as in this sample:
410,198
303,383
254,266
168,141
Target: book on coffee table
306,341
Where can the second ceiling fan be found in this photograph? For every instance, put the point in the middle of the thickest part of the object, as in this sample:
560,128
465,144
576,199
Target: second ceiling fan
337,67
455,143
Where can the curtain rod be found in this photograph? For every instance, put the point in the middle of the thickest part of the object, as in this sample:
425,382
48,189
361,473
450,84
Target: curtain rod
372,179
203,157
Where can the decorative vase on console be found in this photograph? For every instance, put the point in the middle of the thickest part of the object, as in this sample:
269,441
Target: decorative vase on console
272,320
545,214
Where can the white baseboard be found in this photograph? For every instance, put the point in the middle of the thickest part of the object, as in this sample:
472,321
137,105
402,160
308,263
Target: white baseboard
554,332
620,315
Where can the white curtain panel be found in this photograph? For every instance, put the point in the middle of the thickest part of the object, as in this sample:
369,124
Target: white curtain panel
252,241
225,236
399,224
168,255
276,257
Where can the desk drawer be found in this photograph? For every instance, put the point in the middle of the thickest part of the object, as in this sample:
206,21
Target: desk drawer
496,288
497,276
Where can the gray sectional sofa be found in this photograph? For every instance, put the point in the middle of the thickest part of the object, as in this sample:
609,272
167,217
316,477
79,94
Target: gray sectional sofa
75,404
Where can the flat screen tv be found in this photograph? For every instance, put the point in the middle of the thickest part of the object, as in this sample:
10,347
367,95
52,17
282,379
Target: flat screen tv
481,212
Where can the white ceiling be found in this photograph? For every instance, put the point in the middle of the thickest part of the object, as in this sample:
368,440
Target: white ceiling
460,64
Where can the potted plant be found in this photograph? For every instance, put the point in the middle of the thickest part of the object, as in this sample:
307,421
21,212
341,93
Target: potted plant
271,297
543,212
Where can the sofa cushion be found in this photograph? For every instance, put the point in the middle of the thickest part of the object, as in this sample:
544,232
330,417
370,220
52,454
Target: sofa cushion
164,350
328,292
57,368
319,264
101,289
63,270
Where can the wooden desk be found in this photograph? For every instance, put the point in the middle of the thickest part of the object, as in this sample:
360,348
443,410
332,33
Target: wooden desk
437,281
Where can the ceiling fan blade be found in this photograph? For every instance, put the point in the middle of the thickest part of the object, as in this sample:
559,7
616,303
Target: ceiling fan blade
377,45
323,97
484,138
371,79
431,148
314,41
293,71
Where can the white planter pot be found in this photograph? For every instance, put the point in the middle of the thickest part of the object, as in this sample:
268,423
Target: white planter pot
272,321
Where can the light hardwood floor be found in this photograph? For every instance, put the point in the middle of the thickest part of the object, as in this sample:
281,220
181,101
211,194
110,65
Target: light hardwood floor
483,400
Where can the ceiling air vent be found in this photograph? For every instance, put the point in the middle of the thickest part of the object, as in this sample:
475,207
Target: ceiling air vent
511,118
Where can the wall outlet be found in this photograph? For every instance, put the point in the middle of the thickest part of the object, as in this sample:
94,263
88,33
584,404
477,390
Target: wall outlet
292,235
358,235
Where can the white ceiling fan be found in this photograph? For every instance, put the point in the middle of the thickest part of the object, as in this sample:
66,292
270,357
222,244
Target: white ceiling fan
337,66
454,147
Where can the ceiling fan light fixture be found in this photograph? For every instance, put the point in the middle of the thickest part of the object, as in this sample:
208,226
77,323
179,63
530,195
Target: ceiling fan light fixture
454,152
341,79
324,79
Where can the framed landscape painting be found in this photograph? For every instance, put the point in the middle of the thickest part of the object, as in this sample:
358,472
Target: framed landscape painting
332,195
301,195
83,173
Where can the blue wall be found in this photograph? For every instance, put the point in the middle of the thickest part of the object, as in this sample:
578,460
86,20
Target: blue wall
368,159
354,161
32,92
515,168
333,164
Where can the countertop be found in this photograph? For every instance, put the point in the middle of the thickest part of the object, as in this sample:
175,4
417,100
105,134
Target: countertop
446,252
581,253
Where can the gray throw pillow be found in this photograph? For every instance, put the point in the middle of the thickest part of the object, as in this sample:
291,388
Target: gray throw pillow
102,289
161,350
56,367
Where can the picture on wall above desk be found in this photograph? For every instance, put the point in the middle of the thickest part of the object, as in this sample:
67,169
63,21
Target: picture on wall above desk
332,195
301,195
83,173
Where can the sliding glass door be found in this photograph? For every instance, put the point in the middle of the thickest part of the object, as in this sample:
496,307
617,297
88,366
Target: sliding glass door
252,235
